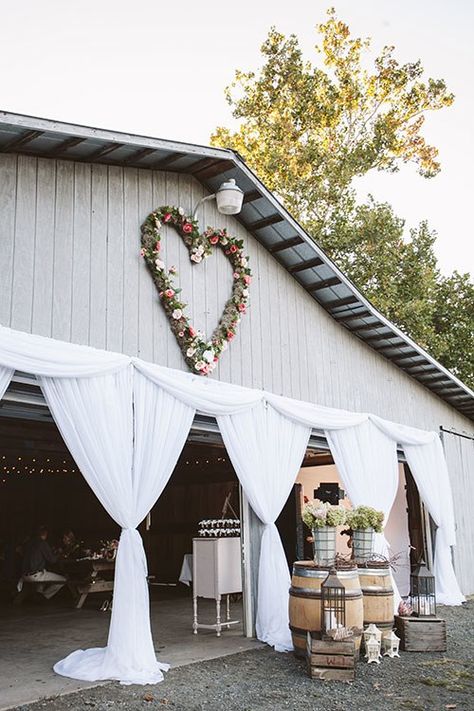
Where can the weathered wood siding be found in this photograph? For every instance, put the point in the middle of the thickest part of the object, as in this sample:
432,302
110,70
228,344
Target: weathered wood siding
70,268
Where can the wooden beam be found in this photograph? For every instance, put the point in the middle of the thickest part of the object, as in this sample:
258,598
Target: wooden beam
265,222
251,196
335,303
416,369
382,337
201,164
21,141
323,284
167,160
64,146
369,326
307,264
431,377
212,171
286,244
138,155
102,152
352,317
408,356
446,386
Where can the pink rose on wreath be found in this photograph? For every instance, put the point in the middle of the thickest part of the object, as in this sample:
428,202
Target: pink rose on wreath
192,332
233,248
142,252
236,275
169,293
187,228
181,334
167,217
214,239
230,335
247,279
157,247
241,308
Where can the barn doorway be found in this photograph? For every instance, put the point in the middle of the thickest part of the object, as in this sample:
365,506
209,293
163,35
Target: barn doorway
41,484
407,528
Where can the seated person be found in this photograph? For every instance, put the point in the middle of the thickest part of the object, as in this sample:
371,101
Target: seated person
37,555
69,547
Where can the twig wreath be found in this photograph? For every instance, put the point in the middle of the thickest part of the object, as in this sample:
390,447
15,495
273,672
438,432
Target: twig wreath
200,354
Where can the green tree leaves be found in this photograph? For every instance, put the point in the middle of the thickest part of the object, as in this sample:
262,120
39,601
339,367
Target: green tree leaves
309,129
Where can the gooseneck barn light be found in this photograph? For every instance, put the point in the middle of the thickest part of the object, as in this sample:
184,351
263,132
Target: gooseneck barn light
229,198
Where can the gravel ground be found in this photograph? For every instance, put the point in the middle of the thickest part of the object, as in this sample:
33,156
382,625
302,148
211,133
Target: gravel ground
262,680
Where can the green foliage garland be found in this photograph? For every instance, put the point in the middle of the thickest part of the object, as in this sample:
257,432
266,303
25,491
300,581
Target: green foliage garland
200,354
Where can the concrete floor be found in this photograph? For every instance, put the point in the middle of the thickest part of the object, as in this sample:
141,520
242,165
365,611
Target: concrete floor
34,637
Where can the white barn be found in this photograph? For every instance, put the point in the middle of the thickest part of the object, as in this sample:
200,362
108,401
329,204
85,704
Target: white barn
72,200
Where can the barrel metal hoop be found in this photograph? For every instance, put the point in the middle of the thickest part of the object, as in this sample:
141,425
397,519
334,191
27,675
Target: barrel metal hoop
322,574
376,592
316,594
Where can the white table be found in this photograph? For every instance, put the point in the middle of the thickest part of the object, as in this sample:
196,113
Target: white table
217,571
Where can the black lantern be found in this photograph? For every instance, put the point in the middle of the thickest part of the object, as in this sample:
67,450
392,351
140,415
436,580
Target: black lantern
333,603
422,592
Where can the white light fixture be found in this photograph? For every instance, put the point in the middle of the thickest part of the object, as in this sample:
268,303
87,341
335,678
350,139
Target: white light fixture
229,198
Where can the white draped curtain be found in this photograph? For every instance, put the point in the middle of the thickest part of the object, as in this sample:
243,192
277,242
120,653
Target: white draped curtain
425,457
125,423
366,459
266,450
6,375
127,461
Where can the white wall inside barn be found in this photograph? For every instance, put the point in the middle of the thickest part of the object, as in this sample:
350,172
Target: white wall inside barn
70,268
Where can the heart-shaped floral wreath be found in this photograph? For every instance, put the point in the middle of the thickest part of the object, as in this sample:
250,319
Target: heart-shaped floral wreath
200,354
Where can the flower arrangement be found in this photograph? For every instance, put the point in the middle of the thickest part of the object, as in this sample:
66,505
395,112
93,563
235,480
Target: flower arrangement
200,353
365,517
317,514
109,549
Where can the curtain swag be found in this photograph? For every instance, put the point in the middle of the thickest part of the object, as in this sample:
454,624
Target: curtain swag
126,422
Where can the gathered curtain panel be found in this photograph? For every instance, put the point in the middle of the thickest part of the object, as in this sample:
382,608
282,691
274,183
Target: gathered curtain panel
127,461
6,375
425,457
266,450
366,459
126,421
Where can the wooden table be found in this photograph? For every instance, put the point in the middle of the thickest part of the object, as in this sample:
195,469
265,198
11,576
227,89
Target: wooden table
89,575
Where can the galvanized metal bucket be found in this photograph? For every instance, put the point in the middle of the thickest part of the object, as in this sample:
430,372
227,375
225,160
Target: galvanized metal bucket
363,544
324,545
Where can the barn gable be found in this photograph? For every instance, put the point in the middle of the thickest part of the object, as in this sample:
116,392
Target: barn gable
72,200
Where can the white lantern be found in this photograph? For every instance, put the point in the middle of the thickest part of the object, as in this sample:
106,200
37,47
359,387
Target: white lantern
229,198
372,632
391,644
373,651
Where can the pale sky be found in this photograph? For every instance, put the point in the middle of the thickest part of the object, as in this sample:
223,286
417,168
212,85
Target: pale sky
160,68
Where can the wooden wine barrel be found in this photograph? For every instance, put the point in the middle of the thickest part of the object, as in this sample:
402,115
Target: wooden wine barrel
377,591
305,601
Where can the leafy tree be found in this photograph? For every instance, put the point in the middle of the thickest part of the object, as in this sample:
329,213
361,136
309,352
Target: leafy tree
309,129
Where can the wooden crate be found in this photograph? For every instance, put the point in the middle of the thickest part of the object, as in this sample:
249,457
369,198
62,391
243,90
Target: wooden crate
329,660
421,634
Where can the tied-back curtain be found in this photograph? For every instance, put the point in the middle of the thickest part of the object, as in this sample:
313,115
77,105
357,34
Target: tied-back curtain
6,375
425,457
127,467
367,462
366,459
266,450
428,466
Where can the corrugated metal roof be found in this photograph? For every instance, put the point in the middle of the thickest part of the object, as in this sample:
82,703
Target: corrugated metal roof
262,215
